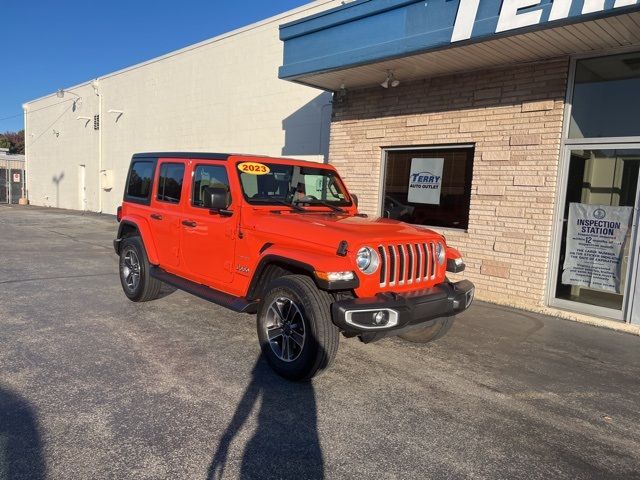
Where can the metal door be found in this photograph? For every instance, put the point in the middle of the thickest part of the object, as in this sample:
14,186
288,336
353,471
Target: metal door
3,185
601,177
82,187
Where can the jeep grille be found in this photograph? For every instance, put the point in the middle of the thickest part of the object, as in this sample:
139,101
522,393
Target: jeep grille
407,263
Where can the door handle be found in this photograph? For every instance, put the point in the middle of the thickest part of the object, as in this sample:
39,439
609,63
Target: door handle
156,216
189,223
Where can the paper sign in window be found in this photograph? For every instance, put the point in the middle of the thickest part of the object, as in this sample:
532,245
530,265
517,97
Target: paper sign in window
425,180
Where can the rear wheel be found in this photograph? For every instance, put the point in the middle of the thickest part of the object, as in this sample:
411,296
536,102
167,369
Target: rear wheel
295,330
429,334
137,283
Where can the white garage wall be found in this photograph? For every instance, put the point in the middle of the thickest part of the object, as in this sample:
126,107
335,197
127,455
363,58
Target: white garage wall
57,143
222,95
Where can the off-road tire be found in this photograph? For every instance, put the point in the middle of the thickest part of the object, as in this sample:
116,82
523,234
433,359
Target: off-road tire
429,334
147,287
321,337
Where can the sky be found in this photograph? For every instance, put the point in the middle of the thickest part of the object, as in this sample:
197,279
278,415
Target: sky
51,44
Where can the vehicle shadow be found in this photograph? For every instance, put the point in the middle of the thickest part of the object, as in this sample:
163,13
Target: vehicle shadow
285,444
166,290
21,455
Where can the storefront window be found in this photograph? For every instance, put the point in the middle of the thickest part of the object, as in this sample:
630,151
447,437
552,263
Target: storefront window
605,99
430,187
597,227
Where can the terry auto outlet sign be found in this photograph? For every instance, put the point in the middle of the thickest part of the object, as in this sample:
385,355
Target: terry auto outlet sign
596,237
368,31
526,13
425,180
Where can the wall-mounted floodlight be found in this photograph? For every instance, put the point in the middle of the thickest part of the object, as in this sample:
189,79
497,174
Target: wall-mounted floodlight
390,81
340,95
61,93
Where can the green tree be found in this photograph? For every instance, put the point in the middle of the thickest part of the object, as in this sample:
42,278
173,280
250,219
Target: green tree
14,141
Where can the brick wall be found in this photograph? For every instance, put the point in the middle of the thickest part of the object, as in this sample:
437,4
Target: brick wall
514,117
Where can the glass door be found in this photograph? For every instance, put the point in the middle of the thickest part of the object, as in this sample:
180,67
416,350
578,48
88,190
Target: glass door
596,240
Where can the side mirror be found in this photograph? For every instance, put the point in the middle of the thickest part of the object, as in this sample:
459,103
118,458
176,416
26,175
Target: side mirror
217,199
354,197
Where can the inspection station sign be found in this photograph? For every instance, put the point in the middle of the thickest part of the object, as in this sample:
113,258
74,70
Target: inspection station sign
596,236
425,180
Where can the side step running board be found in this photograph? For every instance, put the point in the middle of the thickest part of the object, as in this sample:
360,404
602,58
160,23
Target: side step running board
237,304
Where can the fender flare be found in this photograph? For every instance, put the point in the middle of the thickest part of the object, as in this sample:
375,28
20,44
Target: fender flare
270,259
143,228
284,257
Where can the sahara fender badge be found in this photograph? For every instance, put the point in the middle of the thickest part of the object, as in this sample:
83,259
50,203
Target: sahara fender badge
253,168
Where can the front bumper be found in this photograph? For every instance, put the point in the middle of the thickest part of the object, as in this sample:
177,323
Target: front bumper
403,312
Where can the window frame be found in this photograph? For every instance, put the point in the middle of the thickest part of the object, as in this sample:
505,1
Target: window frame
193,182
157,188
426,148
334,174
568,105
141,200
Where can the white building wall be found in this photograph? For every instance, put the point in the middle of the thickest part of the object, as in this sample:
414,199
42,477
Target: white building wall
57,143
222,95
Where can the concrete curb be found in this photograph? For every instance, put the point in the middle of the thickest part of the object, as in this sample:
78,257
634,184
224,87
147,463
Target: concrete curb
566,315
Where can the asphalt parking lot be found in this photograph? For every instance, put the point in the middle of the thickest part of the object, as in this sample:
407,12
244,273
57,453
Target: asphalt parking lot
94,386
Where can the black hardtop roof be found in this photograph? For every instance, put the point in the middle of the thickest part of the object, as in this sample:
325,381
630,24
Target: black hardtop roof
210,156
204,155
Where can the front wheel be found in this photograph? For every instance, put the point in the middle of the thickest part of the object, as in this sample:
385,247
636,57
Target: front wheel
295,330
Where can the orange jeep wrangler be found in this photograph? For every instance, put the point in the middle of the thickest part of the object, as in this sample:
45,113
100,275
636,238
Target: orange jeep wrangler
283,238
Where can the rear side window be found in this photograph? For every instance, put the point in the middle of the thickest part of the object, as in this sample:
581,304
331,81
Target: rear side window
170,182
140,181
206,176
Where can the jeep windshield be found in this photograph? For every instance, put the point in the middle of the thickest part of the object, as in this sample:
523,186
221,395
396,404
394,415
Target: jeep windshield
291,185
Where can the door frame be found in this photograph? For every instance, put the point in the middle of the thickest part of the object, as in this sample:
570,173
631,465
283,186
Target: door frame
566,145
82,186
556,241
191,212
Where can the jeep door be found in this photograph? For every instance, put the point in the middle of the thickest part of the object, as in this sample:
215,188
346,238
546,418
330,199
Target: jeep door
166,211
207,237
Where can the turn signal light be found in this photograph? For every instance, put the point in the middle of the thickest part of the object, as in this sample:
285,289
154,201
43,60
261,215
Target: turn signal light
455,265
335,276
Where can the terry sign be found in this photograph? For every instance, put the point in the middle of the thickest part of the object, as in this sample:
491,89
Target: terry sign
511,17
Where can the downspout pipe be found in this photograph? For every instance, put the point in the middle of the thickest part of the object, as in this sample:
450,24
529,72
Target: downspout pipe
96,89
27,177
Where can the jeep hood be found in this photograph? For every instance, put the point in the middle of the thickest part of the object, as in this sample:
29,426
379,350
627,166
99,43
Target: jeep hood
330,229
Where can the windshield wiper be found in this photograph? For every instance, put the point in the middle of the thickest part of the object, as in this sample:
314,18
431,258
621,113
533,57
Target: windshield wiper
335,208
295,207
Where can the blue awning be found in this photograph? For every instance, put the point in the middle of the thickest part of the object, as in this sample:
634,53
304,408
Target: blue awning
370,32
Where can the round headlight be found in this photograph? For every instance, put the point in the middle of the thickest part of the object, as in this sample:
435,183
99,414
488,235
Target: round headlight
440,253
367,260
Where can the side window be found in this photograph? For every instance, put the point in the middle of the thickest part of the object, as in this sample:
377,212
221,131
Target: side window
170,182
140,180
204,177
